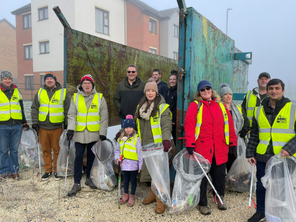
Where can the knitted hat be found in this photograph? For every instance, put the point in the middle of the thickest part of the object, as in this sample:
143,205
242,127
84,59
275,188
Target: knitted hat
50,74
203,84
224,89
6,74
87,77
151,84
129,122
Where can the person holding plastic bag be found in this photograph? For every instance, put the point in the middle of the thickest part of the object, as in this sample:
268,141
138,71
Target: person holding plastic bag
128,154
240,120
209,132
147,117
12,118
87,122
273,132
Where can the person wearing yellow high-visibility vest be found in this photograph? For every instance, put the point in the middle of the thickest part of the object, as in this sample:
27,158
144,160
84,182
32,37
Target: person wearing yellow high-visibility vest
255,96
87,123
11,120
209,131
154,125
240,120
273,132
49,116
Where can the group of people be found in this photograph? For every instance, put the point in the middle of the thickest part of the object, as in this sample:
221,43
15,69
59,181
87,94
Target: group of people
212,124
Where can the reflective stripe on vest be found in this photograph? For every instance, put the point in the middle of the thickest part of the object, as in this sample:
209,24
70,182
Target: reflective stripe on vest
155,124
90,118
280,133
128,149
10,109
251,103
54,108
199,121
239,107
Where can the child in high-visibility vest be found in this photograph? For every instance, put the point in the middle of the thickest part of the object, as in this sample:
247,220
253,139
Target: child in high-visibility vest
128,155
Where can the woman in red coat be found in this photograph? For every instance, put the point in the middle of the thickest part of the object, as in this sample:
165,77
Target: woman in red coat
209,131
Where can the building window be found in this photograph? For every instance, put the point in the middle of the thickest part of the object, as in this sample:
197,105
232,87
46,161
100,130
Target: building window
102,21
28,52
152,50
43,13
175,55
29,82
42,80
152,25
44,47
27,21
176,31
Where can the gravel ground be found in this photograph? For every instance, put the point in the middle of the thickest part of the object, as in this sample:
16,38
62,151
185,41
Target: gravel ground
28,199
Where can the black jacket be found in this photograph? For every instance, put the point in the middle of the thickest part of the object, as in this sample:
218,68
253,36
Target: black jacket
8,92
172,101
163,89
127,97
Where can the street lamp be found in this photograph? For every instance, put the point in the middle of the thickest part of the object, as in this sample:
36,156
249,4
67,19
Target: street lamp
227,19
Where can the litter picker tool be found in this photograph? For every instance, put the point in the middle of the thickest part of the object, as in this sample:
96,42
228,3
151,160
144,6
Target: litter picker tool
208,180
251,188
39,155
67,166
119,182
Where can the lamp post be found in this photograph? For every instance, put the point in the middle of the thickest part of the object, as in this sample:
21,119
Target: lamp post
227,19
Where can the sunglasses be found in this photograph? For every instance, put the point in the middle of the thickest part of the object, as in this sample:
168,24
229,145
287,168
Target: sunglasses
131,71
208,89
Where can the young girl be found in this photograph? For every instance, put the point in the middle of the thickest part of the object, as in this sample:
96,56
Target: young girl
129,148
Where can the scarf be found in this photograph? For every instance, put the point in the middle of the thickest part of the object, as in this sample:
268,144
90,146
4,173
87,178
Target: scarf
145,114
238,120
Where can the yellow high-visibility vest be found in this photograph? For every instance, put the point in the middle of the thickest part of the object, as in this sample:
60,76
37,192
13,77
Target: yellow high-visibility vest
281,131
251,101
199,121
90,118
128,149
239,107
10,109
155,124
54,107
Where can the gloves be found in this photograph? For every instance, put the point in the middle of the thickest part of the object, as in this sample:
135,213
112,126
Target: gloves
102,137
25,126
70,134
117,135
65,126
36,128
232,149
167,145
243,133
190,150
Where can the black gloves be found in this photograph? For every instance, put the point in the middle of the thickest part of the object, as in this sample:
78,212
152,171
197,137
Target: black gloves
65,126
190,150
243,133
102,137
36,128
70,134
25,126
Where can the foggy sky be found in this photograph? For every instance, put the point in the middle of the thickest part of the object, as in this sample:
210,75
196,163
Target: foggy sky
267,28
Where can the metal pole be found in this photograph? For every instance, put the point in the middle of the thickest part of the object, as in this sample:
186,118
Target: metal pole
227,19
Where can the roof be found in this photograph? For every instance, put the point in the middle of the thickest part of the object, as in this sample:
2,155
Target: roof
164,14
4,20
23,9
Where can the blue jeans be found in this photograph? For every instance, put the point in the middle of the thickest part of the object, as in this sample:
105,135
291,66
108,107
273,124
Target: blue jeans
130,176
9,141
260,190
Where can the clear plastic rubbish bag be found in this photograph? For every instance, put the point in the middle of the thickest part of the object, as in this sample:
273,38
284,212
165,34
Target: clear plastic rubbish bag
102,173
28,149
63,153
280,200
157,163
239,176
186,192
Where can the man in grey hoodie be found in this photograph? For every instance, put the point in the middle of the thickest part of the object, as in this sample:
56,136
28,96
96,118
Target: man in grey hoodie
49,116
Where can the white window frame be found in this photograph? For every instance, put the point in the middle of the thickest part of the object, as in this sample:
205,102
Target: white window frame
27,21
102,21
44,11
153,50
176,55
29,53
152,25
176,31
42,79
44,47
29,85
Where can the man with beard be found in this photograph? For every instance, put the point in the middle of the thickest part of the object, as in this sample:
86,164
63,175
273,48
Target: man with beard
161,85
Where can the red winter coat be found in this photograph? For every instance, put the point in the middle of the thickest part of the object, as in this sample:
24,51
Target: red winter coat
211,138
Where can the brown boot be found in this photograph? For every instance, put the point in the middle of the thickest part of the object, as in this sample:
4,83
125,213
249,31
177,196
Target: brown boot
131,200
150,199
159,206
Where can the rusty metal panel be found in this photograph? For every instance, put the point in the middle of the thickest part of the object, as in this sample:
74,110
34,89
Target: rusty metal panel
107,61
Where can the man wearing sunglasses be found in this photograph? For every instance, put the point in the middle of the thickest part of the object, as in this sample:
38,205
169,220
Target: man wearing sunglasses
128,93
